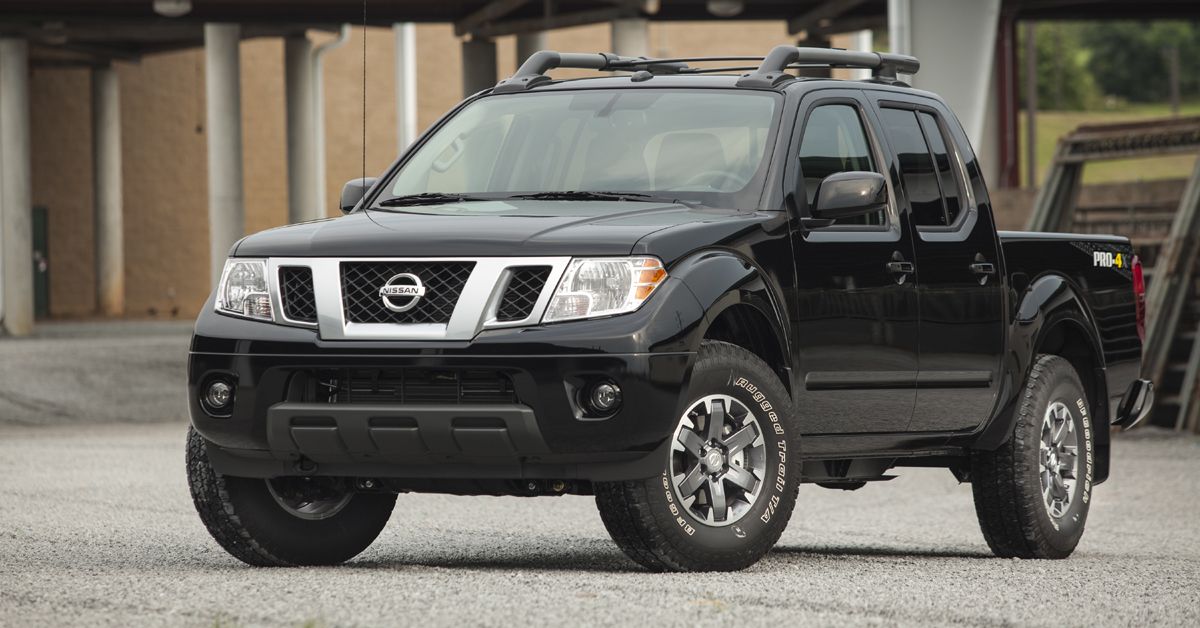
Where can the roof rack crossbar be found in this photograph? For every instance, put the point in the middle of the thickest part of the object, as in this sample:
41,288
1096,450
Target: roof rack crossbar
758,58
884,66
533,71
769,73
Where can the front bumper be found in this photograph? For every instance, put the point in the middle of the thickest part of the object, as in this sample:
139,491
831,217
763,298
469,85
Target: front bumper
539,433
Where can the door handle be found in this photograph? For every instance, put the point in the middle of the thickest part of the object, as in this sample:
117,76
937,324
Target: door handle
899,267
983,269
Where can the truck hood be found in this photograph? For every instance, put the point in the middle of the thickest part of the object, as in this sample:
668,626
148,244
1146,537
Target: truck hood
485,228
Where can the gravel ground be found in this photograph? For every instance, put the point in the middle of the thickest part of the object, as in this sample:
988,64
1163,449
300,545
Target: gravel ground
97,529
132,371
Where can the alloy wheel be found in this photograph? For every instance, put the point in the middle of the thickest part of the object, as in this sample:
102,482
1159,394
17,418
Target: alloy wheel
718,460
1059,460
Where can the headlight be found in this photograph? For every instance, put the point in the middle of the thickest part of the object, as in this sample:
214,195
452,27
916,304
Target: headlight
604,286
243,290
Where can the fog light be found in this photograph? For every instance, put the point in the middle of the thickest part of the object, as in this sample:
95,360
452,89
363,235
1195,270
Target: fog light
604,397
219,395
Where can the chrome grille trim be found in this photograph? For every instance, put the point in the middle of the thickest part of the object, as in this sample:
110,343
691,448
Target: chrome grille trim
296,300
475,311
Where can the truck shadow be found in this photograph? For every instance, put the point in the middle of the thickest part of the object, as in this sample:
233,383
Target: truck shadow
560,560
604,560
879,552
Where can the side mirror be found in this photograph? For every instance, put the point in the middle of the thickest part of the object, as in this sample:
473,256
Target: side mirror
849,194
354,191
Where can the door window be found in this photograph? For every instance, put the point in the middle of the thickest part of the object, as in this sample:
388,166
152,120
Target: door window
943,162
926,166
835,141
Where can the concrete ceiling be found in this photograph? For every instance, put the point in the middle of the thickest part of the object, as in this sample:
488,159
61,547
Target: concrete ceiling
88,31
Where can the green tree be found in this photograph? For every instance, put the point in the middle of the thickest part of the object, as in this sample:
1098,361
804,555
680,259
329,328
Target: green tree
1128,57
1063,79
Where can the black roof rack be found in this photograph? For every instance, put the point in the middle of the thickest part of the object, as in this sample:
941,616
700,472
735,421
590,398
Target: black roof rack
533,71
769,73
884,66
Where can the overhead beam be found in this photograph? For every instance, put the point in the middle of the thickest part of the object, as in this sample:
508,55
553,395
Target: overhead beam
563,20
100,54
488,13
848,25
814,18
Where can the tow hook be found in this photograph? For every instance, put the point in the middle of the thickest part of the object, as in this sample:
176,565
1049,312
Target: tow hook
367,484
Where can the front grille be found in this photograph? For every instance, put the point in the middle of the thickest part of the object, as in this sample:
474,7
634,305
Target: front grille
410,385
443,282
521,294
299,298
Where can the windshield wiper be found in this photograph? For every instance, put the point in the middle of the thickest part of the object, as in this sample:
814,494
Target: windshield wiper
429,198
573,195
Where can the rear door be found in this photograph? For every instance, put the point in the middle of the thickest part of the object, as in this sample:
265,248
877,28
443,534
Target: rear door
957,260
856,309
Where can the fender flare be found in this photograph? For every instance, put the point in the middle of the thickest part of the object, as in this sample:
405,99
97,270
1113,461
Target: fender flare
1049,302
723,279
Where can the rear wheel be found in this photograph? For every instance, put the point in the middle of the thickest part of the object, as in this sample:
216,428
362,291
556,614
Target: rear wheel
284,521
729,484
1032,494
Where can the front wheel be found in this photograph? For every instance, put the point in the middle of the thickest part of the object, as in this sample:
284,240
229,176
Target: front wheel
284,521
1032,494
727,489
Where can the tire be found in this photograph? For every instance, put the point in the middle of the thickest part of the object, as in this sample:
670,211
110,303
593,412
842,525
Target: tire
1017,519
660,527
249,521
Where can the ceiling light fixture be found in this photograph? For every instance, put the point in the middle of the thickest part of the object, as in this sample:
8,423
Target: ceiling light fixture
172,8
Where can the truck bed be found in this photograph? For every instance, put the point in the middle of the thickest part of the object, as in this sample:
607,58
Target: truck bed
1100,269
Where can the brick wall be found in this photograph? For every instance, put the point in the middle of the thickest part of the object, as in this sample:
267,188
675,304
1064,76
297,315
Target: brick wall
164,148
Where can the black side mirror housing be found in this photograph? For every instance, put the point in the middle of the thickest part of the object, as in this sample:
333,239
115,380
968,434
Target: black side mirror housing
354,191
849,194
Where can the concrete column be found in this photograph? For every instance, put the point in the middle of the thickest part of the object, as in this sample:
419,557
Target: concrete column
956,43
479,65
16,203
529,43
406,84
899,33
816,41
318,74
303,203
863,41
106,181
226,221
631,37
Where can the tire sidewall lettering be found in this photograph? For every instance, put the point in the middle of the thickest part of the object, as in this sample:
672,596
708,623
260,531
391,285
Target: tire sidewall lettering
1086,492
780,453
753,395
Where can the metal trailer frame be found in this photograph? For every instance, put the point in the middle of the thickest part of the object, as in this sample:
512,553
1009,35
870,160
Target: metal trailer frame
1174,273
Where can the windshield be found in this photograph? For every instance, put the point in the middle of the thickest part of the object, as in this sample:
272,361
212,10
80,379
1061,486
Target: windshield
697,146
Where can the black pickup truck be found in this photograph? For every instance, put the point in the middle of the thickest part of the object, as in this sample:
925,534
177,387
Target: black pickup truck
679,290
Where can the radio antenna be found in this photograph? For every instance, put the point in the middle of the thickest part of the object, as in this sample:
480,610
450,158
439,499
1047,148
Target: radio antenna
364,92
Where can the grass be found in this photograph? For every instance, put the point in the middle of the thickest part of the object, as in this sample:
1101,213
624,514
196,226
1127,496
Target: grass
1052,125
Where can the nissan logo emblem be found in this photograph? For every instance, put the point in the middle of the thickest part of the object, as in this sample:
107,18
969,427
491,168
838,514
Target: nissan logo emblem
402,292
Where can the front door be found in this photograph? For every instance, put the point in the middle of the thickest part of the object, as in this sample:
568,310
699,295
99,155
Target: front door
961,331
856,304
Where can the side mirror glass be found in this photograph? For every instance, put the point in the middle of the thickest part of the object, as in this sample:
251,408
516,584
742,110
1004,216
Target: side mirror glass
849,194
354,191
